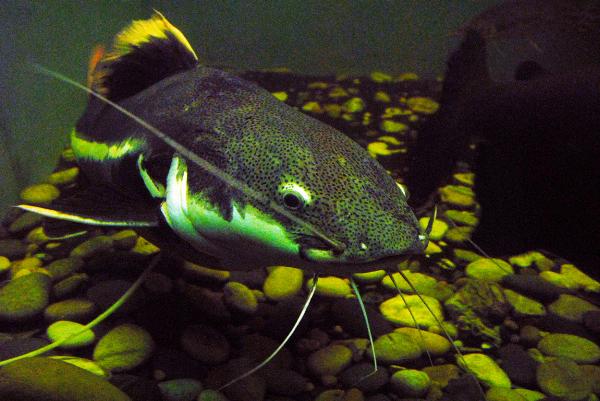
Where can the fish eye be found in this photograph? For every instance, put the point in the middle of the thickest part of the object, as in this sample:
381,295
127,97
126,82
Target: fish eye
294,196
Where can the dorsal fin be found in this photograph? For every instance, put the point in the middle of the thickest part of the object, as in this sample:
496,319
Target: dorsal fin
144,53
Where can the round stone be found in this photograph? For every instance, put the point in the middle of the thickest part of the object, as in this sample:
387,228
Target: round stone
92,247
576,348
64,177
124,239
438,229
124,348
65,329
69,285
61,268
42,379
410,382
563,378
330,360
283,283
76,309
12,248
180,389
331,286
489,269
524,306
240,297
458,195
205,344
395,348
503,394
571,307
25,222
433,343
24,298
82,363
369,277
397,312
40,193
485,369
362,377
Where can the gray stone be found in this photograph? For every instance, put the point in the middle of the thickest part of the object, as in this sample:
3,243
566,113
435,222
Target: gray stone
205,344
12,248
92,247
180,389
62,268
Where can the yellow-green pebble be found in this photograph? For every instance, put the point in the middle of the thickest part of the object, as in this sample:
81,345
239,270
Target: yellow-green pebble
283,283
338,91
485,369
40,193
369,277
432,248
283,96
4,264
313,107
62,329
410,382
64,177
380,77
331,286
490,269
466,255
422,105
438,229
529,258
398,310
459,234
354,105
383,97
240,297
465,178
435,344
457,195
462,217
330,360
407,76
195,271
123,348
392,126
82,363
382,149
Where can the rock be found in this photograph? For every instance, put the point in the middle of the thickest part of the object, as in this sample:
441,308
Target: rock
362,377
571,307
369,277
25,222
503,394
65,329
82,363
397,312
240,297
123,348
533,286
158,284
285,382
252,387
433,343
563,378
529,258
208,303
524,306
424,284
329,360
457,195
40,193
518,364
330,286
485,369
529,395
490,269
395,348
569,346
346,313
106,293
75,309
257,348
13,347
459,235
124,239
62,268
462,217
283,283
92,247
64,177
211,395
205,344
4,264
12,248
137,387
423,105
442,374
169,363
593,372
24,298
180,389
582,280
438,229
46,379
591,320
529,335
69,285
352,394
196,272
464,388
410,382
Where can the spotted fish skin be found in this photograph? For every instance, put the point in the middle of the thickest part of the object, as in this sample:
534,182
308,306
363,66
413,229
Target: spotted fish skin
275,149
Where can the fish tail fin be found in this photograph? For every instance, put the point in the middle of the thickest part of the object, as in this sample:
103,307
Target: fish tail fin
143,53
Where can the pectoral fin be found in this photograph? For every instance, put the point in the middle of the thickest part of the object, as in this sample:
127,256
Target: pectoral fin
100,206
